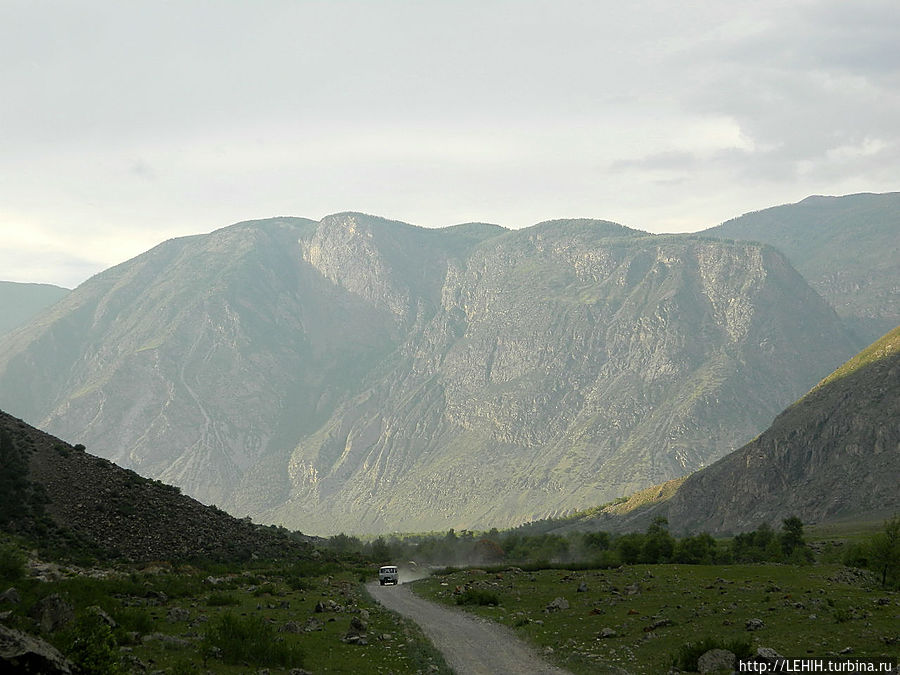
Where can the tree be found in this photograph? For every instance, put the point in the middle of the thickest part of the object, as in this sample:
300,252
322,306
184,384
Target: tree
380,551
793,545
697,550
658,544
884,551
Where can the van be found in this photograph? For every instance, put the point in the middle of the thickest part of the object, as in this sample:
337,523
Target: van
388,575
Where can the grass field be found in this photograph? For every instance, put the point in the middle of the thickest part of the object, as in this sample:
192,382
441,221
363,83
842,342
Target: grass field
183,620
655,610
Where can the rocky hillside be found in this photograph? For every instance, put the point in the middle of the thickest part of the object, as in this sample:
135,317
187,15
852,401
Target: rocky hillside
19,303
66,499
834,454
360,374
847,248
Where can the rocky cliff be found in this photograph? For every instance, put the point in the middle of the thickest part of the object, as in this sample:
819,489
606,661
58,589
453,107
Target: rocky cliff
365,375
834,454
847,248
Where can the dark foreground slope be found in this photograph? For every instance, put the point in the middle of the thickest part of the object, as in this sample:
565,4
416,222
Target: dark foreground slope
834,454
847,248
360,374
61,497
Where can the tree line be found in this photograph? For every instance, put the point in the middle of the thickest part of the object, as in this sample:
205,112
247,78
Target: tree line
533,547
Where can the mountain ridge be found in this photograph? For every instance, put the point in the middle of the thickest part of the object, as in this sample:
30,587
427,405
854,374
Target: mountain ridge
846,247
357,373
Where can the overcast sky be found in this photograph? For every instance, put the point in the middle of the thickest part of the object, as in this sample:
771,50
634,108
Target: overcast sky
123,124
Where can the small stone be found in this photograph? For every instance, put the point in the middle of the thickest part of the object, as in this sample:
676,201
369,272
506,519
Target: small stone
177,614
754,624
557,605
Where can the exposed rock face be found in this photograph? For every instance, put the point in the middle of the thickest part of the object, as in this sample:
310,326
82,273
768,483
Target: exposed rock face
846,248
364,375
834,453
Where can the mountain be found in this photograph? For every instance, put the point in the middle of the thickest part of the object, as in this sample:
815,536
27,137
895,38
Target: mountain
847,248
61,497
366,375
21,302
834,454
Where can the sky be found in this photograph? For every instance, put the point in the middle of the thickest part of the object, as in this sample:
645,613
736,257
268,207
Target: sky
123,124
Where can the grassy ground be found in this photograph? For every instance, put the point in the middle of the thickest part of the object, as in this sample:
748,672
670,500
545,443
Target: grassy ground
185,620
654,610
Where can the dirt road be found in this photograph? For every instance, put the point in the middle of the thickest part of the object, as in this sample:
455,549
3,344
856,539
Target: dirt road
470,645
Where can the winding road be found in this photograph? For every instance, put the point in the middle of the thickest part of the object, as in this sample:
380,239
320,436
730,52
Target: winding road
470,646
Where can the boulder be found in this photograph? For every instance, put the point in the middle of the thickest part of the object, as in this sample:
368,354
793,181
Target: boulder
177,614
52,613
716,660
557,605
11,596
23,653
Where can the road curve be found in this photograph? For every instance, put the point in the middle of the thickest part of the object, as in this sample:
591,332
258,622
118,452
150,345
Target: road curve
471,646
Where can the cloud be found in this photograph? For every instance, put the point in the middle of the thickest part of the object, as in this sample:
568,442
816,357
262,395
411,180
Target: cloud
804,84
147,119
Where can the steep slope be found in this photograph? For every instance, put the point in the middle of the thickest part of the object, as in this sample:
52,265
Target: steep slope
847,248
21,302
366,375
196,361
62,497
833,454
569,363
836,452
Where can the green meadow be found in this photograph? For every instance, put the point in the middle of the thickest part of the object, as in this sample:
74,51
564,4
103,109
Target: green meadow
643,617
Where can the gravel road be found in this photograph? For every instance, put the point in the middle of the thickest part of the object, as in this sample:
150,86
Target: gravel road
470,645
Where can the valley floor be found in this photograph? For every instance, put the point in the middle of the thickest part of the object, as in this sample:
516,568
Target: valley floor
641,617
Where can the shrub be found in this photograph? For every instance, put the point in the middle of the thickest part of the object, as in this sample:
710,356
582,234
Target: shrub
237,639
223,600
90,645
475,596
12,563
134,619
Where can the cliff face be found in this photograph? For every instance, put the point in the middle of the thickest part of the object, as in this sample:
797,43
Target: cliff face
359,374
834,453
845,247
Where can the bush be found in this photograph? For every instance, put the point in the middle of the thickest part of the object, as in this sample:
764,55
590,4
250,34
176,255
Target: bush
474,596
238,640
12,563
223,600
90,645
134,619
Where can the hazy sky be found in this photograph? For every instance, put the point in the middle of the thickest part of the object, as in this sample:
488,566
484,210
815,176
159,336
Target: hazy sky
126,123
